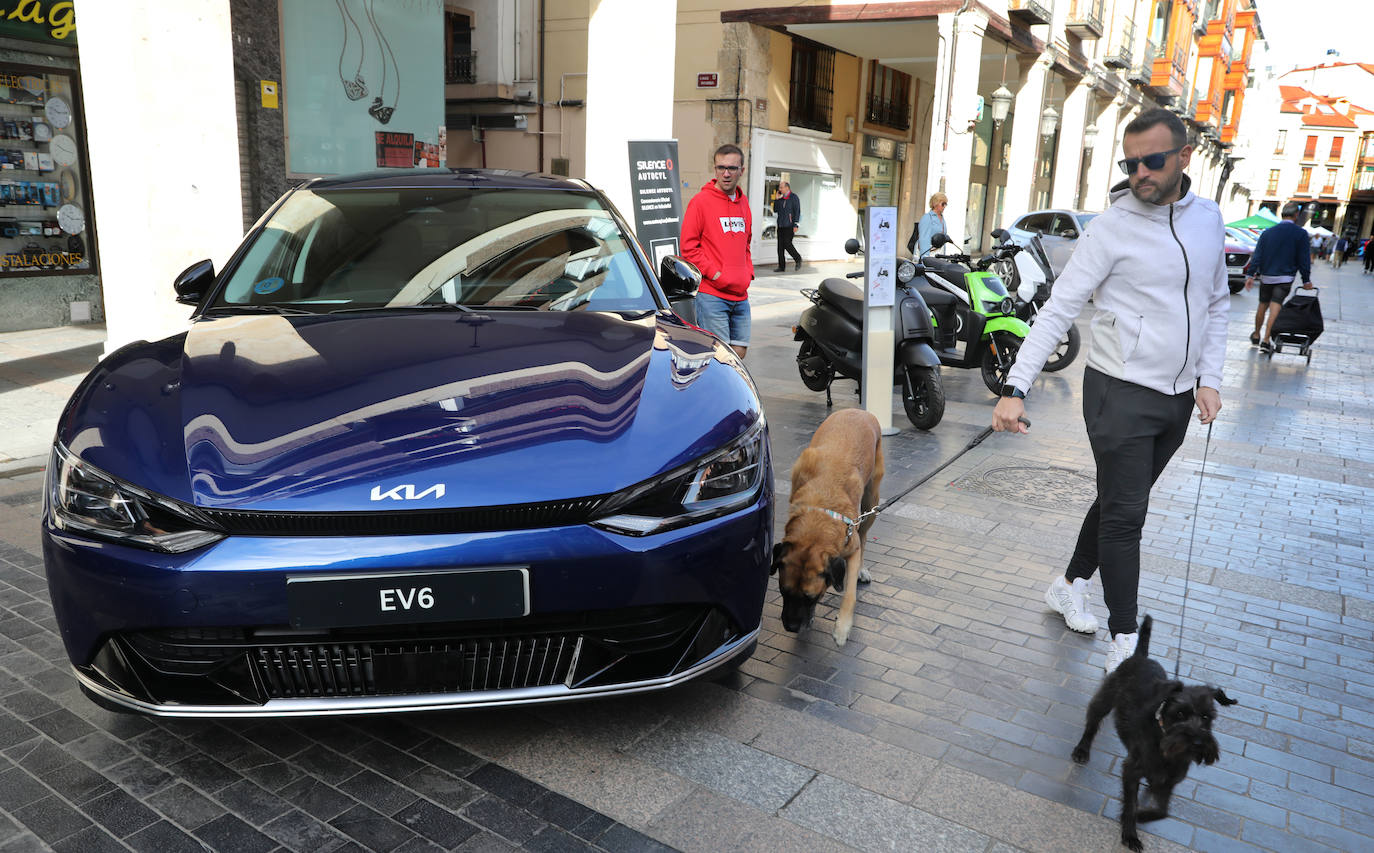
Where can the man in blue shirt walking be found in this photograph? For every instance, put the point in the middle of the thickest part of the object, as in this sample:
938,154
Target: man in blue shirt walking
1281,253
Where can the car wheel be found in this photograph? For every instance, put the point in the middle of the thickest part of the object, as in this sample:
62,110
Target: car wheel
816,370
1236,286
923,396
998,357
1065,353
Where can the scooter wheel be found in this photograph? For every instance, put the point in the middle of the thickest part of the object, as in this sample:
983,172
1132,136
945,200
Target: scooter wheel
998,357
1066,352
923,396
814,377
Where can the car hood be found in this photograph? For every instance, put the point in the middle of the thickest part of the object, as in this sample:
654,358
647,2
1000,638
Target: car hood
412,410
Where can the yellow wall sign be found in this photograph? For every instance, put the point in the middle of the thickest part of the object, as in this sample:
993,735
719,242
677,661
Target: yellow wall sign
269,94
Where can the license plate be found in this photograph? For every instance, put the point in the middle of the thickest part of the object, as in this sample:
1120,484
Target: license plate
452,595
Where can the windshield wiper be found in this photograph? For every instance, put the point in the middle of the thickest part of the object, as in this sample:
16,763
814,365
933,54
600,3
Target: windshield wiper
231,308
423,306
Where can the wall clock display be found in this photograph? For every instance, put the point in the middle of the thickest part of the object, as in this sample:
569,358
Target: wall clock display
71,219
42,131
63,149
58,112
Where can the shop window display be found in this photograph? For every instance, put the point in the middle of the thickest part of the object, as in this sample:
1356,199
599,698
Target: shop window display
43,227
810,188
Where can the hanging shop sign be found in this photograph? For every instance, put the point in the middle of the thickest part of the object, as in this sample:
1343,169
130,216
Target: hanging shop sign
39,20
43,200
654,186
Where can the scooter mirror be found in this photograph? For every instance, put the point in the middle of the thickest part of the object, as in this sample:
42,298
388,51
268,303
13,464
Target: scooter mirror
938,239
999,233
851,246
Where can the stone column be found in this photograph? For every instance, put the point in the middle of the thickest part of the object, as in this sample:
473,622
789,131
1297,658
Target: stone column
1025,138
158,90
629,87
1064,192
1102,170
956,95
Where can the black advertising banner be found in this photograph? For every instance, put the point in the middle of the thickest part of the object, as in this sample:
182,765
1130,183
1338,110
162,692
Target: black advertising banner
654,185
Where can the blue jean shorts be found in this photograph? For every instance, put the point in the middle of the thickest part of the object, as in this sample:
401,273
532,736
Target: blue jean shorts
723,318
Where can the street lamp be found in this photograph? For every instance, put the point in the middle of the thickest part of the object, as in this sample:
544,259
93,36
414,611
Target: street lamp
1049,120
1001,104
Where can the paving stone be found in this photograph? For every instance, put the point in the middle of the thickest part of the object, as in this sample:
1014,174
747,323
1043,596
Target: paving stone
120,813
870,821
729,768
503,818
435,823
708,821
228,832
298,831
92,839
371,830
51,819
187,807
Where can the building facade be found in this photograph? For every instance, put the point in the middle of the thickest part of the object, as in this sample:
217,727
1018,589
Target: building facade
1003,105
1313,143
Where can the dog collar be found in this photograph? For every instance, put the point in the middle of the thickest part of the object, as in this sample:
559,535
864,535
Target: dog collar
850,524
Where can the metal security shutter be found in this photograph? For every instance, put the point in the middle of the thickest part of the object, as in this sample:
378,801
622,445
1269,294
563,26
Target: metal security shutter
241,91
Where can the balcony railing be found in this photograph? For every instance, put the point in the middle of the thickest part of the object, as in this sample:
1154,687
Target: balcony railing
461,68
1365,181
1085,19
1122,57
1027,13
889,113
1140,74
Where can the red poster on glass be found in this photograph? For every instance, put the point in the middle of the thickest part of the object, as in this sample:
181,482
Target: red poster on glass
395,149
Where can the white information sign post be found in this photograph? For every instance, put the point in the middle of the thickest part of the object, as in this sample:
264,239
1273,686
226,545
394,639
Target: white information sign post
880,288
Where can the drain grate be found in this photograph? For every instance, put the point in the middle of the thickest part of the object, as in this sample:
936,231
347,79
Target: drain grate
1034,485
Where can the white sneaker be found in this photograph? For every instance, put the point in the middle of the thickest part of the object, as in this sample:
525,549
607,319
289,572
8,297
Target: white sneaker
1071,601
1122,647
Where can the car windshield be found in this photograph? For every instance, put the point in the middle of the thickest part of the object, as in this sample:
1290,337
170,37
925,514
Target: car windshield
357,249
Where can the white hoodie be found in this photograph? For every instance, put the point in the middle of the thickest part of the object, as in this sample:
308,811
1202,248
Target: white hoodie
1157,275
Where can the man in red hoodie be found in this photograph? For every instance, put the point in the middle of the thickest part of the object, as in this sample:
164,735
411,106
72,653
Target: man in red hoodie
716,231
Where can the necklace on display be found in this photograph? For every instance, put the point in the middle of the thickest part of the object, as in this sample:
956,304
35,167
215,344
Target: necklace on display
380,110
355,88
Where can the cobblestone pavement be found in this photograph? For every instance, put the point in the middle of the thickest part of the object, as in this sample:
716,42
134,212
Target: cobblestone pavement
944,724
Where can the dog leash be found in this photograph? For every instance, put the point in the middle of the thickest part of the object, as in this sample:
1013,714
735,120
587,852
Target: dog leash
977,440
1187,572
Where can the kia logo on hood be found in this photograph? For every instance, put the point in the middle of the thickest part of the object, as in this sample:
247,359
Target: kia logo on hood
407,492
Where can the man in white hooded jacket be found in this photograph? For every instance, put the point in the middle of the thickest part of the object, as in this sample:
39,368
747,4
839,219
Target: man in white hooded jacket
1154,265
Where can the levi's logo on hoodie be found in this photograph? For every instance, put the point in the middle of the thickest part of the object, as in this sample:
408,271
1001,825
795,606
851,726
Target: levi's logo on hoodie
732,223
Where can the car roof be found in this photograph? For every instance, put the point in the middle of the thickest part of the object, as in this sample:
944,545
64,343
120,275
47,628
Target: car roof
490,179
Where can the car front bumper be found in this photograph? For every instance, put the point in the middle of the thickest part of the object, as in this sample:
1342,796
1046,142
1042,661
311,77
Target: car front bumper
210,633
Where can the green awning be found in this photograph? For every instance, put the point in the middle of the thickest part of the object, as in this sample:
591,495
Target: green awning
1255,221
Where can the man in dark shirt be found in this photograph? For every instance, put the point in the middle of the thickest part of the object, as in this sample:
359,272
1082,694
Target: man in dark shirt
1281,253
787,208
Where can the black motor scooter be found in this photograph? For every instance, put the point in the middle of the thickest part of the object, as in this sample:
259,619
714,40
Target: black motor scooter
831,337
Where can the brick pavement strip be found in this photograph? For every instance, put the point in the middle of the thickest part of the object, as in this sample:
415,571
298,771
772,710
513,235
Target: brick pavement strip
945,723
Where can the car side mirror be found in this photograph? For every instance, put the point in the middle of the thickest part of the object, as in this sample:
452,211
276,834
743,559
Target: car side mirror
938,239
1069,234
680,278
194,282
851,246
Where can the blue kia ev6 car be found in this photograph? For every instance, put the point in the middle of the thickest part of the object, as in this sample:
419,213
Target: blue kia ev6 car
433,439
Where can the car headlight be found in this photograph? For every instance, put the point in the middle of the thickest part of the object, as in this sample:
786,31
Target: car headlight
718,483
84,499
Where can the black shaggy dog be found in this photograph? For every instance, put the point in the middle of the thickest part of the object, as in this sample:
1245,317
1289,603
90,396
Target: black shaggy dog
1164,725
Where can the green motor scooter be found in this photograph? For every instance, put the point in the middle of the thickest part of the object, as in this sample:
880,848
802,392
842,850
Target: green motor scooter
975,318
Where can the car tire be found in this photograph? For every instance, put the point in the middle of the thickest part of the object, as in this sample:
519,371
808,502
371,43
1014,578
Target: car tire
1236,286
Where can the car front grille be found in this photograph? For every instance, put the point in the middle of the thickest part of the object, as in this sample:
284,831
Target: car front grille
417,522
392,669
243,665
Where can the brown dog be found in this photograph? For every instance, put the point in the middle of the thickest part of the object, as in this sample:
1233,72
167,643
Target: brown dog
834,482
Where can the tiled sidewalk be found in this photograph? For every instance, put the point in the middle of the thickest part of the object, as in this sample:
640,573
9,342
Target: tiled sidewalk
944,724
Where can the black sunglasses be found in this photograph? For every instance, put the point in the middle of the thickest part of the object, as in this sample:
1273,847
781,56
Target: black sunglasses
1154,162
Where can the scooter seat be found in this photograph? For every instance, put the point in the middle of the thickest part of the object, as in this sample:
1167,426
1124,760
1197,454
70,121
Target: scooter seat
948,270
845,295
